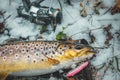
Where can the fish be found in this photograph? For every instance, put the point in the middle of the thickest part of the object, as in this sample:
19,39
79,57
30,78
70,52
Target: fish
31,58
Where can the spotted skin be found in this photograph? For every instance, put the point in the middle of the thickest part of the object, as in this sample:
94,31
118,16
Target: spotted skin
37,56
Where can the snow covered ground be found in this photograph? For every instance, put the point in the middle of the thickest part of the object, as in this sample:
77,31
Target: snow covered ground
94,24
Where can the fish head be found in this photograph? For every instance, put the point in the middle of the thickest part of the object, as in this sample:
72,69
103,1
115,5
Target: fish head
80,52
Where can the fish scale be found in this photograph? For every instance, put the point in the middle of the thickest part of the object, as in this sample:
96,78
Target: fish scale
39,57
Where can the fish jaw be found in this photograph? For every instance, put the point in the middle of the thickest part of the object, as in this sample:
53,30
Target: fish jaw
87,52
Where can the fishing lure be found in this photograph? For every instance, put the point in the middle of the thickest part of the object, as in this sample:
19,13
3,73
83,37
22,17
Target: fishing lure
77,70
31,58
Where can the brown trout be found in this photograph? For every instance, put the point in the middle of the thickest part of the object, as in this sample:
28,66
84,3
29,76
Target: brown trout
40,57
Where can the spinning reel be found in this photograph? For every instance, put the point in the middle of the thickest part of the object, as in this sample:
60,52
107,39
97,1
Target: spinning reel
38,14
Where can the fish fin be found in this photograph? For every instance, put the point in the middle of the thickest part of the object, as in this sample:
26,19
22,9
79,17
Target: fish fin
53,61
3,75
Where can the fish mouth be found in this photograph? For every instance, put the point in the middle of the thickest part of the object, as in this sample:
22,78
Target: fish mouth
85,53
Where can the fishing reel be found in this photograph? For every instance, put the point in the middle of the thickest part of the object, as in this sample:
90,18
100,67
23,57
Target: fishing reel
38,14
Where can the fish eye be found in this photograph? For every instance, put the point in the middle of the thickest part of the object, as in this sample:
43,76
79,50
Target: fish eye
83,41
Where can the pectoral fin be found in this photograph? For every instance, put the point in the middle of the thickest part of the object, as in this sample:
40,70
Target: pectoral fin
3,75
53,61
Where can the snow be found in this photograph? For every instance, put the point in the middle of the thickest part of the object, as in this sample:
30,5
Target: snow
3,38
105,56
74,23
108,3
23,28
